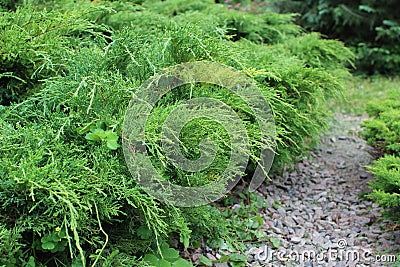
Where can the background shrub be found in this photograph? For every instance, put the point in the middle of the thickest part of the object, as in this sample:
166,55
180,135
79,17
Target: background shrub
370,28
383,132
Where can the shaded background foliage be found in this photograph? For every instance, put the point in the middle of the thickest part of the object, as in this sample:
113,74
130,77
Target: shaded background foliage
371,28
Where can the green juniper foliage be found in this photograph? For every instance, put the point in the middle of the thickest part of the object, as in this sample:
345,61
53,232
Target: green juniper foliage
386,185
370,27
383,132
67,73
35,45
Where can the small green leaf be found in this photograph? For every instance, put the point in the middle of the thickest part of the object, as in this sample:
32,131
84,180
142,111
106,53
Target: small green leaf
275,242
224,258
54,237
110,135
144,232
217,243
196,244
152,259
169,253
184,238
60,246
164,263
112,144
31,262
366,8
62,233
238,257
237,264
99,134
92,137
206,261
86,128
242,196
45,239
48,245
259,220
181,263
260,234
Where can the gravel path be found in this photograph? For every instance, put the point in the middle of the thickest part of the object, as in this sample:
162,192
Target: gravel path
316,212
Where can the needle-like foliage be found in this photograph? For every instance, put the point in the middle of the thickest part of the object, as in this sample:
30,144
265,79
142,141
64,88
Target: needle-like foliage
67,74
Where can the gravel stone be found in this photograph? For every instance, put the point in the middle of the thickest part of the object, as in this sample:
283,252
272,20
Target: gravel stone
295,240
319,204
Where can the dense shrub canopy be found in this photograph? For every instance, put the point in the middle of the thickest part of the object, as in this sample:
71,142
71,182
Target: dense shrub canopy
68,70
371,28
383,132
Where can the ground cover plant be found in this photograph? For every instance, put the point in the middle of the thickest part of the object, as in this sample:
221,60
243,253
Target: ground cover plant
67,73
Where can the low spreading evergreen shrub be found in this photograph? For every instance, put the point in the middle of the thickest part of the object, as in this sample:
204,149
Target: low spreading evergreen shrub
66,194
383,132
386,186
35,45
371,28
